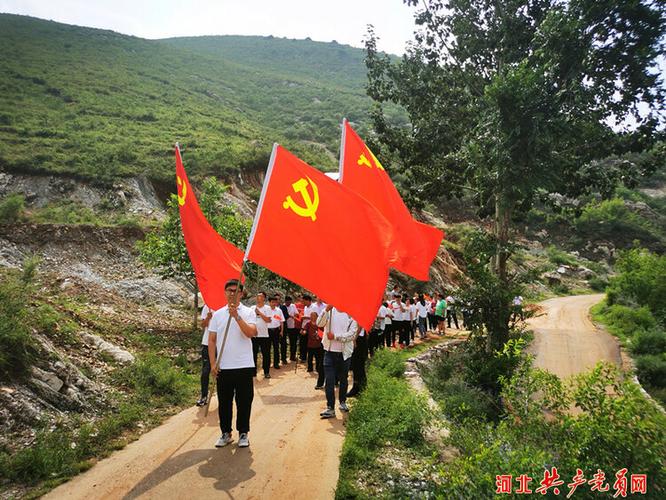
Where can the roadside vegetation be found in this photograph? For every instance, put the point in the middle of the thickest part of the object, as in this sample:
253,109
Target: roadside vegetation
635,311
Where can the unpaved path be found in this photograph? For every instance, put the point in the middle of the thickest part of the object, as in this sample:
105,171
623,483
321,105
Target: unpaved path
566,342
293,453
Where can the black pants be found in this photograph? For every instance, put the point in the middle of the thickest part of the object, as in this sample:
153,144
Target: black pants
359,358
403,331
432,322
283,348
235,384
318,355
373,341
389,333
293,335
302,346
263,343
412,328
274,335
205,371
451,315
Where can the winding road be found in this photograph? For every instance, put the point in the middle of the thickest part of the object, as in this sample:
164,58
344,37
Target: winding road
566,341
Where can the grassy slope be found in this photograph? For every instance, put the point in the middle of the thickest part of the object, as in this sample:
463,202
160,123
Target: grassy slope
100,105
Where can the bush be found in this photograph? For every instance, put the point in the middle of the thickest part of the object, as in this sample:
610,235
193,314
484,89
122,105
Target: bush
641,280
613,220
11,208
627,320
649,342
651,369
598,284
16,351
154,376
559,257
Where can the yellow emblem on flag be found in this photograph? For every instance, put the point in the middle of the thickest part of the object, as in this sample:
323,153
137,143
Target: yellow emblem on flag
363,160
181,199
311,203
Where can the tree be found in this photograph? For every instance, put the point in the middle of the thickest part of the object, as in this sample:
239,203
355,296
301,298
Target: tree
164,249
506,98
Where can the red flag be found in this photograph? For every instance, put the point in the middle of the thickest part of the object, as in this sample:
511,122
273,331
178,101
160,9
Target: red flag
319,234
416,244
214,259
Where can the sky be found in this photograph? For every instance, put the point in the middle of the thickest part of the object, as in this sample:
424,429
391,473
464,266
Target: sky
322,20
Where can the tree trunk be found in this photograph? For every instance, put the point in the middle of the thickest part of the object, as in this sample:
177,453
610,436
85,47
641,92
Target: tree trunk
502,224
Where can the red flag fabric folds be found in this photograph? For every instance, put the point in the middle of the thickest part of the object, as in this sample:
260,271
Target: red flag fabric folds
214,259
416,244
319,234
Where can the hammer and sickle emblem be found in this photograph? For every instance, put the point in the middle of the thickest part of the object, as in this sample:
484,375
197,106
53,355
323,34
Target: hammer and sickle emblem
181,199
363,160
311,204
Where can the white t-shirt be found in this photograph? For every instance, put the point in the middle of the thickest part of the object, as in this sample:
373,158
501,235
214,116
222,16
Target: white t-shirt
262,326
307,311
204,312
343,325
383,311
388,315
293,312
422,309
277,317
238,348
397,313
412,312
318,308
518,301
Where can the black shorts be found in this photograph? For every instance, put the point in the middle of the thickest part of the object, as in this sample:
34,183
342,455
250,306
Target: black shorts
439,318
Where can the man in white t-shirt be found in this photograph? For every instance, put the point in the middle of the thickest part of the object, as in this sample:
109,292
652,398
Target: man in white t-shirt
340,331
206,315
518,308
230,353
292,331
262,341
275,329
422,310
307,314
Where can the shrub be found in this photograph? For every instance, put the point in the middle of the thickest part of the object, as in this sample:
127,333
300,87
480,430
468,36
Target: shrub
559,257
16,351
613,220
152,376
649,342
11,208
651,369
627,320
641,279
598,284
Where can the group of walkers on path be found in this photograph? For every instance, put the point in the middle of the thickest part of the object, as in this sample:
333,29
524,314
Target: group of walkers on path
308,331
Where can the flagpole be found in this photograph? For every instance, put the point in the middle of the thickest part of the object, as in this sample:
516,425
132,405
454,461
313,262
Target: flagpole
226,333
343,138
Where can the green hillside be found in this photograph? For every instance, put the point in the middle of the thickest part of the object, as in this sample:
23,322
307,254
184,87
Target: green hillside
100,105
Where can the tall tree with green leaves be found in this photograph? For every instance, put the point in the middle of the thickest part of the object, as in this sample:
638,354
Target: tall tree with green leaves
164,249
506,98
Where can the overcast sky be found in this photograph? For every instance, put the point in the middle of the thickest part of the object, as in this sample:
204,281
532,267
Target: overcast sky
321,20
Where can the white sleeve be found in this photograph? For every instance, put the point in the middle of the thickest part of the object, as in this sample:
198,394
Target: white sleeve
204,312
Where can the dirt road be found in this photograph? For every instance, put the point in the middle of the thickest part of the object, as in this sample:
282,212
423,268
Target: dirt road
566,342
290,448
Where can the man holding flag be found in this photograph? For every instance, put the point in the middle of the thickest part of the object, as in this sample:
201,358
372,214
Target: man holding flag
230,352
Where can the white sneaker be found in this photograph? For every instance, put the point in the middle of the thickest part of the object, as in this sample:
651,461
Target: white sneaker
243,441
328,413
344,407
224,440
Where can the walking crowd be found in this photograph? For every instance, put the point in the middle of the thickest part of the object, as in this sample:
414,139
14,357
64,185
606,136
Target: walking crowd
308,331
